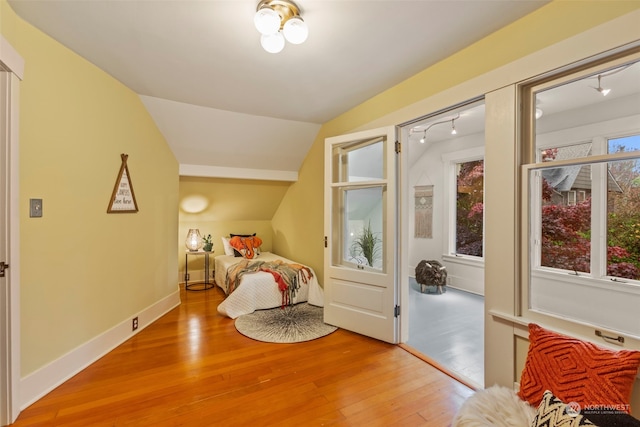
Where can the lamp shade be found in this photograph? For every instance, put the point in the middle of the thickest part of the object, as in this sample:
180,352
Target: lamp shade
194,240
272,43
267,21
295,30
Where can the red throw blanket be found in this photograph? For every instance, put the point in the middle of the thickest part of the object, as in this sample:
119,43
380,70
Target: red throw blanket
288,277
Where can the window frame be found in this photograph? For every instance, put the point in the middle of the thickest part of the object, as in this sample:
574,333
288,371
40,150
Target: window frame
575,294
451,162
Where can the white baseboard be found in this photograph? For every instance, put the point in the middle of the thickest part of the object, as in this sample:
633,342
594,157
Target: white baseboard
40,382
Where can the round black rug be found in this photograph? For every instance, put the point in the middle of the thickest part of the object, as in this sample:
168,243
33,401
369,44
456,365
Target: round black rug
291,324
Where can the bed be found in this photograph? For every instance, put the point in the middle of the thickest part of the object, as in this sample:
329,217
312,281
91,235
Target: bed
259,290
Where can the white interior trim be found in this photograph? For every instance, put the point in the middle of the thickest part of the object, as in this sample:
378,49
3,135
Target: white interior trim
10,58
13,64
40,382
238,173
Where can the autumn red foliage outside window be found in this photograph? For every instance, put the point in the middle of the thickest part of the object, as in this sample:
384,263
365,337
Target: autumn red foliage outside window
566,229
470,208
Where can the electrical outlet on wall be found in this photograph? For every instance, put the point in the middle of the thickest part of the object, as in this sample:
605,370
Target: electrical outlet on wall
134,324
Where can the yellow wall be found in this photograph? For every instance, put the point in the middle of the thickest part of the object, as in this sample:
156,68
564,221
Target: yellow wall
222,206
83,270
298,232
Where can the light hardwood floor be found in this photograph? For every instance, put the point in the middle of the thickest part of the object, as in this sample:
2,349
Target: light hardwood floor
192,368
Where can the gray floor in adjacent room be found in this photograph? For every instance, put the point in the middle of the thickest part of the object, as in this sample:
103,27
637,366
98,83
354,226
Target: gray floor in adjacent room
449,328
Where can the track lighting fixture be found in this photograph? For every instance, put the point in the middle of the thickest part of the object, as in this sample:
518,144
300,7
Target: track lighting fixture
453,127
600,89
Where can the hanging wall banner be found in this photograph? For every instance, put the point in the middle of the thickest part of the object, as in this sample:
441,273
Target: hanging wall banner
424,211
123,199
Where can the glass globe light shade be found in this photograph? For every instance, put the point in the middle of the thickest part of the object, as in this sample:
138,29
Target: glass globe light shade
193,241
272,43
296,30
267,21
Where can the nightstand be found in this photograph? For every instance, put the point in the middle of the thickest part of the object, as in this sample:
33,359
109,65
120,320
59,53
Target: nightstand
199,286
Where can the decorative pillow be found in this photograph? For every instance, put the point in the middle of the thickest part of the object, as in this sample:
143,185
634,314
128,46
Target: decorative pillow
576,371
238,252
553,412
228,250
246,246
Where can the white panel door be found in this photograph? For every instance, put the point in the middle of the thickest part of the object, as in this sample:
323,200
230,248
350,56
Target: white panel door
360,262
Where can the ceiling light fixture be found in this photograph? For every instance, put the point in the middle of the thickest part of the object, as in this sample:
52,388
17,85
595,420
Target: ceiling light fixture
278,20
453,127
600,89
539,113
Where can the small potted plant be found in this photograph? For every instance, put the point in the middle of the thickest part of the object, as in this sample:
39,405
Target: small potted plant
367,244
208,244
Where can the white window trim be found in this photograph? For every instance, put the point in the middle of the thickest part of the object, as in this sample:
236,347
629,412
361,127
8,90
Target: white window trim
450,160
564,294
603,131
598,212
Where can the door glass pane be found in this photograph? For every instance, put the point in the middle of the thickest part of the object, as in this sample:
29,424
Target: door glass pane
362,224
359,162
623,219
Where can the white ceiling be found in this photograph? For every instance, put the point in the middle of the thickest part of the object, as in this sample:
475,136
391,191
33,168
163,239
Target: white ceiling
227,107
576,103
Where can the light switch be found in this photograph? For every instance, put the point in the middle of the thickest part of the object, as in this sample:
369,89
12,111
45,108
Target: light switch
35,208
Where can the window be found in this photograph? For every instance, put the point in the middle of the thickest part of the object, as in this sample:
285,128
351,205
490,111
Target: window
469,207
464,181
623,211
584,197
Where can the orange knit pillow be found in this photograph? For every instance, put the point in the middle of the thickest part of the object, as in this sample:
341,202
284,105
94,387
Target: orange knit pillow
577,371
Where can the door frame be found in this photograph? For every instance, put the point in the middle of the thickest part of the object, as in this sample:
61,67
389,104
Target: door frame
11,73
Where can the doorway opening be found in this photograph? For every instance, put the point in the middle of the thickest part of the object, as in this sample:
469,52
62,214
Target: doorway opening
444,187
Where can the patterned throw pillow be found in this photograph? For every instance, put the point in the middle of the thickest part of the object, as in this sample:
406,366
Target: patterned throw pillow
239,252
248,247
577,371
553,412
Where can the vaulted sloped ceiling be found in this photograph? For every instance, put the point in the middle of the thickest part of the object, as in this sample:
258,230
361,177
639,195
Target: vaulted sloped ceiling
227,107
